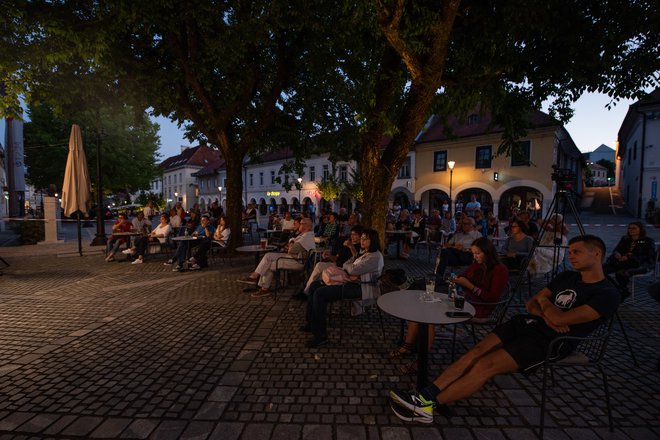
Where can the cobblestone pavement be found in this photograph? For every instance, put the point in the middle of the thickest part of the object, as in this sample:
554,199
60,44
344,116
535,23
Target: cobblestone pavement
91,349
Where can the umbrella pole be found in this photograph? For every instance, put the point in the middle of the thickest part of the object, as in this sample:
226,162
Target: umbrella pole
79,236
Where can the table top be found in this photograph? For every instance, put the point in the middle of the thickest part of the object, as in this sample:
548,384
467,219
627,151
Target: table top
255,248
400,232
185,238
126,234
405,304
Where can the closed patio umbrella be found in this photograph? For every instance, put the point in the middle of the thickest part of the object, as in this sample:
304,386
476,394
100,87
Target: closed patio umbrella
76,187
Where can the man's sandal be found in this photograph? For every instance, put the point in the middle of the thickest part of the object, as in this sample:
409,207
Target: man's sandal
402,350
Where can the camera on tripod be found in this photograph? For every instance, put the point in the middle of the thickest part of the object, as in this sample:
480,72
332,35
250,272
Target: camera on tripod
563,176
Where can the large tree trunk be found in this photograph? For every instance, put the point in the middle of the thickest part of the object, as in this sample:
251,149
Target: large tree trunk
234,210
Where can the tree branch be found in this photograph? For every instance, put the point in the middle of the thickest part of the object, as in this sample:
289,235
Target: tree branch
390,23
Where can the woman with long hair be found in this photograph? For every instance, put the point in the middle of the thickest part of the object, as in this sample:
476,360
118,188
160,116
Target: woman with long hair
484,280
361,272
634,254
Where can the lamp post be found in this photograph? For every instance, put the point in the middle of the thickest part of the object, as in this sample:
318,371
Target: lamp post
176,197
220,201
299,188
451,165
100,238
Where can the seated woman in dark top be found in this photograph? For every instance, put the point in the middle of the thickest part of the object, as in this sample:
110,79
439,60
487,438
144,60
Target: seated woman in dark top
517,246
484,280
634,254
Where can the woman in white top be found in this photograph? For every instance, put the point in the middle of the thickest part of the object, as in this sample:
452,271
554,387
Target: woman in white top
222,233
158,234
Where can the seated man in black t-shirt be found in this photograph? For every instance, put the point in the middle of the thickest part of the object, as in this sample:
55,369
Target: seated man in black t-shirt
573,304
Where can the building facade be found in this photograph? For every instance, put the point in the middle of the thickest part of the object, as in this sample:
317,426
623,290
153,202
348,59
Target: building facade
502,184
638,155
178,182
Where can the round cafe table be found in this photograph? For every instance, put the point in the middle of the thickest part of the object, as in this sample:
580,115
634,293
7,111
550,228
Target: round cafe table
187,239
257,250
405,304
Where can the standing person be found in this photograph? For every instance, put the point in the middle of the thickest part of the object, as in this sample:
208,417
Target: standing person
472,206
575,303
121,225
635,253
445,206
459,205
149,211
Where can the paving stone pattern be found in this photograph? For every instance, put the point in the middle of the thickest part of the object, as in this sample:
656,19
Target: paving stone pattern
91,349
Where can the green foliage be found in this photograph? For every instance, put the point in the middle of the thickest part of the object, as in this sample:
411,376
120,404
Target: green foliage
128,147
329,188
353,187
29,231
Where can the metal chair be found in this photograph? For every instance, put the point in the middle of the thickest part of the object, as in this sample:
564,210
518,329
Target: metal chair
589,353
307,264
217,251
351,303
500,307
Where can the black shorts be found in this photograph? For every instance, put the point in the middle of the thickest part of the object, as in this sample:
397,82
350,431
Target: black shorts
526,339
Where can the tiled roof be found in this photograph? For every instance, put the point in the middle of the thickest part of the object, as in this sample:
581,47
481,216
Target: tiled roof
199,156
479,124
212,168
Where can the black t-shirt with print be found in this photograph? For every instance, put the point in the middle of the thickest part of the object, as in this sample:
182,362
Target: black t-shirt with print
569,292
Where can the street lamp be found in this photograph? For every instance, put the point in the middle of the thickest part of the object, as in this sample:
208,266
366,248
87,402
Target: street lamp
176,197
299,188
220,191
451,165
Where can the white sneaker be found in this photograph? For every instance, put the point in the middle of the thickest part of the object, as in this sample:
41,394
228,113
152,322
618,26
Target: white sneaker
192,260
195,267
128,251
138,261
169,262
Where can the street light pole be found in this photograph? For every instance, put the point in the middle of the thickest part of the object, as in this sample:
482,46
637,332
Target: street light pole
100,239
220,201
299,188
451,165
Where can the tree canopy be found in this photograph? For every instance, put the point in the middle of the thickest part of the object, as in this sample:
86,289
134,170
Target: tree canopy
321,75
129,144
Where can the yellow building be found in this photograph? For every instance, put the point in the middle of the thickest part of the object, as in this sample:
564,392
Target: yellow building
501,184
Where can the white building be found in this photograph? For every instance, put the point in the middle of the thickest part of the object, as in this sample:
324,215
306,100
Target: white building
638,154
178,182
598,174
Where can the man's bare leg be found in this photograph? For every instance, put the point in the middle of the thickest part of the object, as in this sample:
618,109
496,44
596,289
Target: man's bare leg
485,367
459,368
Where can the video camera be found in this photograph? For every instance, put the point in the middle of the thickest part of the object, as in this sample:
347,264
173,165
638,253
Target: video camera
563,176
